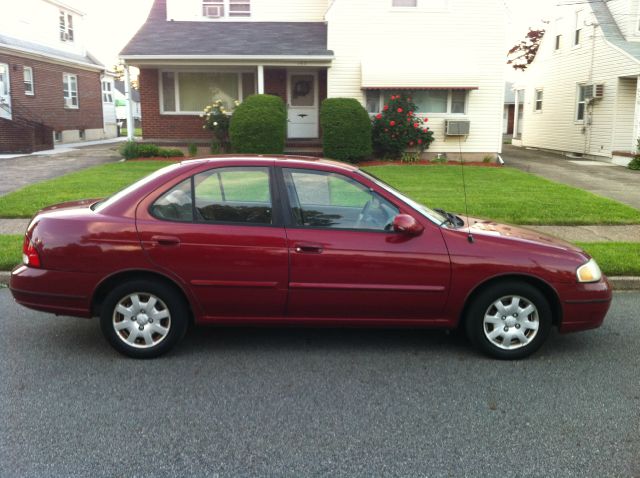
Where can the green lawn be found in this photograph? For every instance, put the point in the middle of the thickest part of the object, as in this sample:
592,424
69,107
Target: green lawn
502,194
614,258
506,195
99,181
137,132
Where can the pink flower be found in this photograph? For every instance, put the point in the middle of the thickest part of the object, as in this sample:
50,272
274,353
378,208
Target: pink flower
399,110
386,107
419,141
392,123
378,116
416,125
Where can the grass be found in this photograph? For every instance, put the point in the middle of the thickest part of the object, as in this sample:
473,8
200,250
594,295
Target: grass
96,182
614,258
505,195
10,251
137,132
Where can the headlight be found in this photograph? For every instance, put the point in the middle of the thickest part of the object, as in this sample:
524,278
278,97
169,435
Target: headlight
589,272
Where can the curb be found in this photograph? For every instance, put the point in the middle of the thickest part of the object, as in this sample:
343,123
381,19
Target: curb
617,282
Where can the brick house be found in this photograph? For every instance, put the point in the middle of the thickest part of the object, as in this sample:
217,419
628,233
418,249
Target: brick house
191,52
50,86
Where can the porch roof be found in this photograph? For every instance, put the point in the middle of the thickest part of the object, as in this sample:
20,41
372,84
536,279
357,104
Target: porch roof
159,38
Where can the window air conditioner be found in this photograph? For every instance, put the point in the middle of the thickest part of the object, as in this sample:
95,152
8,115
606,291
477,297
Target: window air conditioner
457,127
213,11
592,92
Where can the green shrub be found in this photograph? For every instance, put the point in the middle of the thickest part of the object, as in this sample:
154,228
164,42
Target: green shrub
635,162
346,129
193,149
170,153
397,128
133,150
259,125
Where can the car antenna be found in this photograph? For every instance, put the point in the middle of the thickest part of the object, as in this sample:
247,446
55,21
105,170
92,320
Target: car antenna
464,188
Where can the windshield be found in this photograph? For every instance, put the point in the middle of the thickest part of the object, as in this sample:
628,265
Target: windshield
429,213
100,205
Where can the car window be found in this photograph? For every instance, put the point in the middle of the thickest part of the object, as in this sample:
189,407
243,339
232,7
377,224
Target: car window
175,204
241,194
324,199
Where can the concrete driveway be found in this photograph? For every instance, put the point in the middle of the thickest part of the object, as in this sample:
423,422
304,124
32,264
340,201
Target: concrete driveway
608,180
24,170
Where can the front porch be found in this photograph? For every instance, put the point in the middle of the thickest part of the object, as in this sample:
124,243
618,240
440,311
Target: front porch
173,98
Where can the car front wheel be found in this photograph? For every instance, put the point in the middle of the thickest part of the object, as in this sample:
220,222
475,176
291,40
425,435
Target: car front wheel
143,319
509,320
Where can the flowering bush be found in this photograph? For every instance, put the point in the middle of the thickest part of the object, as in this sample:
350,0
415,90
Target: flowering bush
635,162
217,119
397,128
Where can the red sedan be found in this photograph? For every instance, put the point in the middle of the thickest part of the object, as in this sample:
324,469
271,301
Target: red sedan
290,240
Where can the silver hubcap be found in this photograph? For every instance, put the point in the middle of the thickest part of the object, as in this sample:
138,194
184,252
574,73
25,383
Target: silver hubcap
511,322
141,320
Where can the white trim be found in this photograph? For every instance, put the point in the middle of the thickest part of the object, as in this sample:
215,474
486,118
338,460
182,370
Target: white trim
536,100
66,7
53,58
260,80
8,113
230,57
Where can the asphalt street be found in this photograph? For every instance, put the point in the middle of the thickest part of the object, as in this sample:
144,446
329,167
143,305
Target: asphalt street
310,402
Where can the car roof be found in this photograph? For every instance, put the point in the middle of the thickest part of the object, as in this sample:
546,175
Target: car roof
300,161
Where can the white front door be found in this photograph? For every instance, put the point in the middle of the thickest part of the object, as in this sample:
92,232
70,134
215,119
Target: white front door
302,104
5,92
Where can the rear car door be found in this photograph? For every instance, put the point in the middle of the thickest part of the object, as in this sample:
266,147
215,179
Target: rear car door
217,231
347,262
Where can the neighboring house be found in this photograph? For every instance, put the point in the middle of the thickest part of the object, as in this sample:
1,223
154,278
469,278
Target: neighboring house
582,89
121,103
50,86
109,105
509,121
191,52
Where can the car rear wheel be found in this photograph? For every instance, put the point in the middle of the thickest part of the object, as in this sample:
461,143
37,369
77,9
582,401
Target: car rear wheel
143,319
509,320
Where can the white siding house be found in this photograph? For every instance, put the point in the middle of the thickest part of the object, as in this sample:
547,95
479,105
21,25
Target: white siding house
360,49
585,80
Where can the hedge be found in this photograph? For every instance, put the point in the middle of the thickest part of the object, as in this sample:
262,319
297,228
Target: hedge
259,125
133,150
346,129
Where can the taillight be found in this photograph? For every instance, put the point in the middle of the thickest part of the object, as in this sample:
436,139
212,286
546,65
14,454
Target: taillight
30,255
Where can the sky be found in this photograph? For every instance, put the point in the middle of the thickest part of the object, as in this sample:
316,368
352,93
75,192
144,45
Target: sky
110,24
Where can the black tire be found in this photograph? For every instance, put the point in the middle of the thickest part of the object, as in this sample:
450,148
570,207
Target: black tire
484,304
167,299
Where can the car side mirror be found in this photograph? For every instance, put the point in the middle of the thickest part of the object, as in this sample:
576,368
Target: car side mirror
406,224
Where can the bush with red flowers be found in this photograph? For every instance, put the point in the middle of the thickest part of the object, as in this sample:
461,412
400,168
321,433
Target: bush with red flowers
397,128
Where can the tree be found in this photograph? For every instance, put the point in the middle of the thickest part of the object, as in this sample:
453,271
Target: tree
524,52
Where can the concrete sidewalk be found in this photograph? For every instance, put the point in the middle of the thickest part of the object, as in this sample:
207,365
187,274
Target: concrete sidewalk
604,179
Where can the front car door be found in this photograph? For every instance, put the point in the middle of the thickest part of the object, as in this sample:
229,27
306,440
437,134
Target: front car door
218,232
348,263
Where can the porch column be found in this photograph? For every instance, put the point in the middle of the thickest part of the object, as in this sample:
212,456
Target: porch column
127,93
261,79
636,119
515,114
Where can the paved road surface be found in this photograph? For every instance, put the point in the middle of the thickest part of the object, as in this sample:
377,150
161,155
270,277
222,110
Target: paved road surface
248,402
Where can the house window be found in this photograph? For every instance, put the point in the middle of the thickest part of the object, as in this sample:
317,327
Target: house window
57,136
70,90
190,92
107,95
538,101
427,101
558,42
580,20
28,81
226,8
404,3
582,102
66,26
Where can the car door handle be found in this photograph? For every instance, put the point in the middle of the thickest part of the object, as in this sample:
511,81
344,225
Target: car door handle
166,240
309,248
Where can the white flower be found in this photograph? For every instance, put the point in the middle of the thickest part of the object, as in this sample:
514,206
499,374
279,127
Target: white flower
215,123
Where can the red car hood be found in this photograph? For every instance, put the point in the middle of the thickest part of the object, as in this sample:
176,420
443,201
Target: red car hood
490,228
